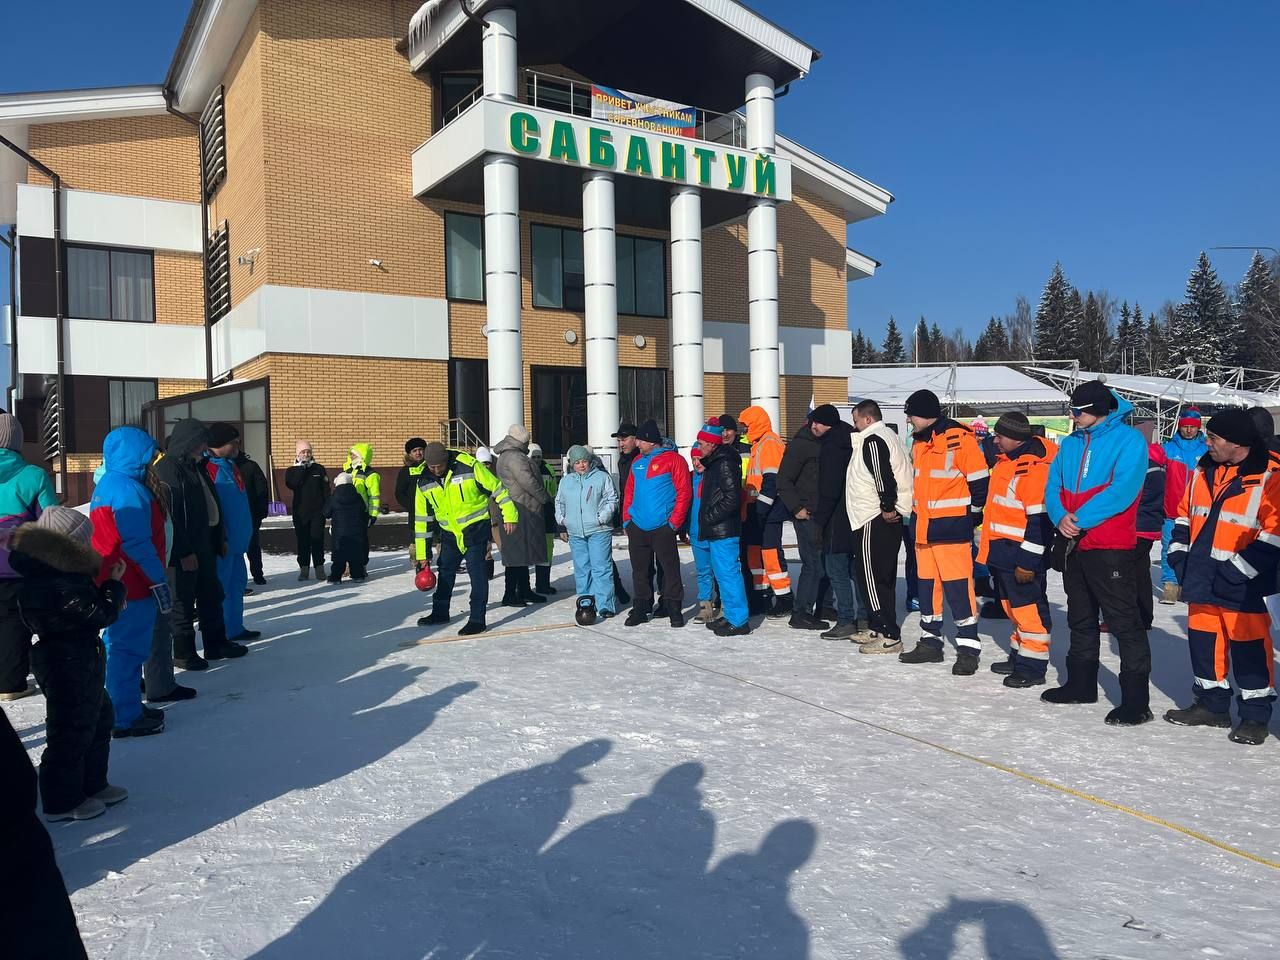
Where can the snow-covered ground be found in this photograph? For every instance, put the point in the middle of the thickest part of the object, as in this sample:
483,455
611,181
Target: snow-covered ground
355,789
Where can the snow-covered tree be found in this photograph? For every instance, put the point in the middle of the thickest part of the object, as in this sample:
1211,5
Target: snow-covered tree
892,351
939,351
1258,310
1118,358
1203,330
1095,336
1139,348
1055,339
993,344
921,345
1073,326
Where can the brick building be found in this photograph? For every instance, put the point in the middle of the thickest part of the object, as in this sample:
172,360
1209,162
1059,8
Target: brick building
430,219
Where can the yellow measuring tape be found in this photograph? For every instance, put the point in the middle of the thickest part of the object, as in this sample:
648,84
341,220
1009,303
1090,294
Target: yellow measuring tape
991,764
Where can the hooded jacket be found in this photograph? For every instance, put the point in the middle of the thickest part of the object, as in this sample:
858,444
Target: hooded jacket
190,495
367,482
128,521
25,490
58,600
233,502
350,524
832,516
586,503
798,472
658,490
719,506
255,487
1016,531
1186,452
1098,476
767,450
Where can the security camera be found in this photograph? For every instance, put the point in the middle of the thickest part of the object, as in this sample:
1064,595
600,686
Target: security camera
375,263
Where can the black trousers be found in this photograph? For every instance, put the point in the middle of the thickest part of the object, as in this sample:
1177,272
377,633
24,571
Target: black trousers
15,640
349,552
878,544
1142,577
254,553
199,596
310,537
1102,581
78,721
913,590
646,547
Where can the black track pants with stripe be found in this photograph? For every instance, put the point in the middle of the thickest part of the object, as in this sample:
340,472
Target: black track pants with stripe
878,543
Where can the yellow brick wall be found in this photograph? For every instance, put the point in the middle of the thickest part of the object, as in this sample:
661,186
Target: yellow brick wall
176,388
179,288
137,156
731,393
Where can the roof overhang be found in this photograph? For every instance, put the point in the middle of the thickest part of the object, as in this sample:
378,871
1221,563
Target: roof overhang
859,199
859,266
210,37
702,50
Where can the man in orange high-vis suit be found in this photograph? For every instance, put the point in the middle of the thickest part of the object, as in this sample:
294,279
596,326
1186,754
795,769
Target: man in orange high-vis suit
1225,551
1016,535
951,480
762,516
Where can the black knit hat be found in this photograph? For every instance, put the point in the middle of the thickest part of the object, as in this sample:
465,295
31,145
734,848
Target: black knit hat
649,432
1235,426
414,444
1014,425
923,404
1094,397
220,434
825,414
727,422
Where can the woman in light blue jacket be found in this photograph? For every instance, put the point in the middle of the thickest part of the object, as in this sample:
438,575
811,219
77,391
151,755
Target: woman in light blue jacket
585,505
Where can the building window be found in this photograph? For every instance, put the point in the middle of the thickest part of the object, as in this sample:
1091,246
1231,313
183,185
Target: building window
642,277
218,269
213,143
469,395
98,405
463,257
244,405
642,395
105,284
559,273
457,92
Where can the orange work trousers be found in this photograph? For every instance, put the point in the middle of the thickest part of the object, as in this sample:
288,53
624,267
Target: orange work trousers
945,571
1222,640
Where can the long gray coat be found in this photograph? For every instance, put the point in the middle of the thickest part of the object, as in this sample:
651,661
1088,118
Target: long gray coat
527,547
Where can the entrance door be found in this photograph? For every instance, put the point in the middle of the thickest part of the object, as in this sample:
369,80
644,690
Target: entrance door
559,409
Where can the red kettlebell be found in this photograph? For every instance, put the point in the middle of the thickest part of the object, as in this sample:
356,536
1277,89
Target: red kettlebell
425,580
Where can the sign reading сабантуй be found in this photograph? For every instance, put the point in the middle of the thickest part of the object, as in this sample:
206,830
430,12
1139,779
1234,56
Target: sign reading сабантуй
558,138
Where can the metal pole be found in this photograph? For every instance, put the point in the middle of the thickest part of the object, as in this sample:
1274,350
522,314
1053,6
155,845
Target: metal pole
11,242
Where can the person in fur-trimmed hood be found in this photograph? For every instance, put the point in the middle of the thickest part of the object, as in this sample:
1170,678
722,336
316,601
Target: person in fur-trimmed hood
60,603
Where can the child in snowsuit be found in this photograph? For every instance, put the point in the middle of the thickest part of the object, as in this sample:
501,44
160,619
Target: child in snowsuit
60,603
349,515
586,502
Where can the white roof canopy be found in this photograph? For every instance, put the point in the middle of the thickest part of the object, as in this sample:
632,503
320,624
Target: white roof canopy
1169,389
971,385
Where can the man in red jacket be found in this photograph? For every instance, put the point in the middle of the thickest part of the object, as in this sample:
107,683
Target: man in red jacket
654,506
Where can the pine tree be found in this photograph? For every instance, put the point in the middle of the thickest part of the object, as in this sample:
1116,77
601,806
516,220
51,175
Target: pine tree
1157,348
1259,317
921,346
892,351
1053,338
1139,344
993,344
1072,327
1118,358
939,350
1095,337
1204,327
859,353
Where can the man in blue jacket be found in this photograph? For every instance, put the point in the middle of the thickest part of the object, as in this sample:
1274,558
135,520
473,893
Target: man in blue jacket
1095,483
233,502
1186,446
654,506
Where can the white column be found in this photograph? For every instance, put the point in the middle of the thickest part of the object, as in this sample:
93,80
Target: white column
686,314
502,238
600,263
762,257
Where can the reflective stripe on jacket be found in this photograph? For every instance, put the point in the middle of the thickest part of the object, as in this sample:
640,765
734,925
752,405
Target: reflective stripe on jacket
951,480
457,500
1016,530
767,450
1226,538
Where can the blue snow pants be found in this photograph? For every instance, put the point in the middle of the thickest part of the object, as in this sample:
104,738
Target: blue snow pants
233,576
727,569
593,569
702,563
1166,537
128,643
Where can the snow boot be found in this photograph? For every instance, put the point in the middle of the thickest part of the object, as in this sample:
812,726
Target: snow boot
304,572
179,692
1081,685
783,605
433,619
1198,715
1020,681
491,568
806,621
512,597
921,653
757,602
523,590
637,616
841,631
879,644
1135,701
706,612
725,629
196,662
259,579
1250,732
1005,667
144,726
226,651
111,795
542,581
966,664
87,810
1171,594
471,628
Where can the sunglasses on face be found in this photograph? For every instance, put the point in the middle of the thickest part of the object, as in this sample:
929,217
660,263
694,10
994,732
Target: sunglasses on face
1080,411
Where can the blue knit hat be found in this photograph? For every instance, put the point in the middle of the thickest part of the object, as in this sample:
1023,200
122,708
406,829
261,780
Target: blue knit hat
711,431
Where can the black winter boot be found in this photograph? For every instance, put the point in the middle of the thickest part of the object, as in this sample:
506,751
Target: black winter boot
1005,667
783,605
1198,715
921,653
1135,701
542,580
1081,685
524,591
491,568
511,596
966,664
1250,732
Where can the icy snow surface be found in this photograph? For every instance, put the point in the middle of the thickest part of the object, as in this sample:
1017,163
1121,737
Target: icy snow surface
553,791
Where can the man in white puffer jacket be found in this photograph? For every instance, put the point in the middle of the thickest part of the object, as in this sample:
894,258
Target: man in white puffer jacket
877,497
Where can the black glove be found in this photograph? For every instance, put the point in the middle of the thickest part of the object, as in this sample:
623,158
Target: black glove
372,521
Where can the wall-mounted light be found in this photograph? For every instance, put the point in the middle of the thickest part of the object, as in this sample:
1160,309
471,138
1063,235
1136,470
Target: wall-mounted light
249,258
570,337
639,341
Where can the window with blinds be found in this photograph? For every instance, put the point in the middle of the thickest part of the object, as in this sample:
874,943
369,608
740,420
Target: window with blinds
213,140
218,268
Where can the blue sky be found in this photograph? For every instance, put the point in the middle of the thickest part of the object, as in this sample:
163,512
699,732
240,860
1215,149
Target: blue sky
1119,137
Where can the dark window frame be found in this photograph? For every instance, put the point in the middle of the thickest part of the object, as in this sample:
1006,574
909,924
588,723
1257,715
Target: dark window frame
533,286
153,411
66,281
438,99
484,280
78,437
666,293
634,415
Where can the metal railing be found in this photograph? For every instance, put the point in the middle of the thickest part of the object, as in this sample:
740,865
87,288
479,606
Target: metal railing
463,106
457,434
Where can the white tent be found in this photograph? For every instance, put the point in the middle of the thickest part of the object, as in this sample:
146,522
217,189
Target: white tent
1168,389
990,388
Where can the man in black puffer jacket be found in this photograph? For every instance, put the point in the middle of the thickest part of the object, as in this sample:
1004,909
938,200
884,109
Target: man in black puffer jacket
198,541
720,524
832,518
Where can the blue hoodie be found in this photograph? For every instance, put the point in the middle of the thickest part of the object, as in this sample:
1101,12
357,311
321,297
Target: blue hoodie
232,501
127,523
1187,452
1098,475
586,503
